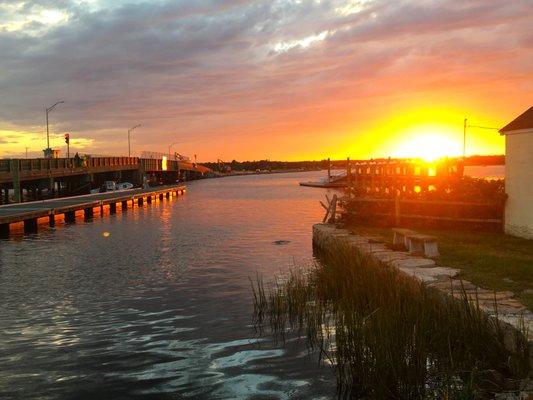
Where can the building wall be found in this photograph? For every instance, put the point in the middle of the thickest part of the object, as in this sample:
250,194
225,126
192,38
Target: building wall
519,183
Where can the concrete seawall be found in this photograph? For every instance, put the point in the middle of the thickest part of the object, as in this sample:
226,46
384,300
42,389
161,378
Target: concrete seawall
499,305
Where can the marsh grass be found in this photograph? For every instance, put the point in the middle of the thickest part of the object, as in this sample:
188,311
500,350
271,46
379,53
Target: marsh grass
388,336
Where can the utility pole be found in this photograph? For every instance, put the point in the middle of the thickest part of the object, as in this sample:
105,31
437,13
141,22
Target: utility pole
465,125
129,138
464,139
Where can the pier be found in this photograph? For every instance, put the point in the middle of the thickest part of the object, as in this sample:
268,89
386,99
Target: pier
29,213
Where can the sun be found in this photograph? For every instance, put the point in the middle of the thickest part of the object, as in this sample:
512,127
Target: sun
428,146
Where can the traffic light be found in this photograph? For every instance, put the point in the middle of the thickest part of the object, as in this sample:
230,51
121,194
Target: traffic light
67,138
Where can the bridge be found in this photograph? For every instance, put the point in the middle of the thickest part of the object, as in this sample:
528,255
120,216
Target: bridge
28,179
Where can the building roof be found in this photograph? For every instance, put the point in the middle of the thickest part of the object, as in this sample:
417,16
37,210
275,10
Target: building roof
523,121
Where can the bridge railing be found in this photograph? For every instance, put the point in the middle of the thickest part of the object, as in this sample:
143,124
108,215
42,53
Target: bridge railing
41,164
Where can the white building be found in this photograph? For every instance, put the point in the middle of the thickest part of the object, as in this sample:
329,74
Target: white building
519,175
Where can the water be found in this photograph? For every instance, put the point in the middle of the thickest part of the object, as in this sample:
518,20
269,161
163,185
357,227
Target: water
489,172
156,303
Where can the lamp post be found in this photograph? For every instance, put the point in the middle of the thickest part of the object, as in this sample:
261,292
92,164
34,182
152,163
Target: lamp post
48,109
170,146
129,138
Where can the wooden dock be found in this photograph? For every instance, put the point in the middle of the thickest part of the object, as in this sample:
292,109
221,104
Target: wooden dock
29,213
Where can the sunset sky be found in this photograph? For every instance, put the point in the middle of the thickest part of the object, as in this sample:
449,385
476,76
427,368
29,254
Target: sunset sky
283,80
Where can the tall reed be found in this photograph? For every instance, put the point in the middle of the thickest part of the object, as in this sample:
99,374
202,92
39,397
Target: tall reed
389,336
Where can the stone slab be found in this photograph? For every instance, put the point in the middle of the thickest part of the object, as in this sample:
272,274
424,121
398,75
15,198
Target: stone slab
390,255
413,262
457,285
367,248
430,274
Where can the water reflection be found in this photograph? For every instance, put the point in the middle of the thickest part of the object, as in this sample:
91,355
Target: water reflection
155,302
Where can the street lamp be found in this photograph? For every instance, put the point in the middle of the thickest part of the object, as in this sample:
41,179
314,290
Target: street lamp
48,109
129,138
170,146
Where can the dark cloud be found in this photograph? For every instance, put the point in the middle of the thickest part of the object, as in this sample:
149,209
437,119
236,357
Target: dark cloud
191,68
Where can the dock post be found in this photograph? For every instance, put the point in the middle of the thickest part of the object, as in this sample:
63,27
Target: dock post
101,209
167,195
51,219
112,208
4,230
149,199
397,210
30,225
329,170
140,201
160,196
124,205
70,216
88,213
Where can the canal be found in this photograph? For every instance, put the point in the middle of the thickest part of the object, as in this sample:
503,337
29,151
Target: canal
155,302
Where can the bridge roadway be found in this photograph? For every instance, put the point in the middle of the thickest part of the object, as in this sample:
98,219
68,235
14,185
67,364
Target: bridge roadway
29,212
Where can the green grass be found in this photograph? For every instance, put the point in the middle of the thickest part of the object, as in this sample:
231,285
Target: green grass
389,336
490,260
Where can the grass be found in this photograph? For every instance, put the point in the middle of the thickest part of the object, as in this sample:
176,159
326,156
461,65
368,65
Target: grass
490,260
388,336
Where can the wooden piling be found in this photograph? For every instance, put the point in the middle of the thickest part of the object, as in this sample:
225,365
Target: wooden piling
4,230
70,216
88,213
51,219
30,225
113,208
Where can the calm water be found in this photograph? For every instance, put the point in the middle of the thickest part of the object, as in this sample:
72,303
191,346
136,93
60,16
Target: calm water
161,307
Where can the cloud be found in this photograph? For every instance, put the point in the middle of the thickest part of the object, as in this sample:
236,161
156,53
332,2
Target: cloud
210,72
